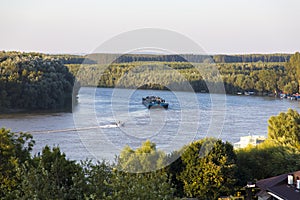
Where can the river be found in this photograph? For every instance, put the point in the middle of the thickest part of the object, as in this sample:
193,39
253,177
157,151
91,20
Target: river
91,130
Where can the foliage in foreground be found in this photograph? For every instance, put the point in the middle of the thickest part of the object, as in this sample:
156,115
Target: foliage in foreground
14,151
144,159
266,160
204,169
284,129
209,169
279,154
52,176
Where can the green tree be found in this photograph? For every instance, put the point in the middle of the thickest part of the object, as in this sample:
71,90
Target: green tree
52,176
30,81
266,160
174,170
278,154
284,128
97,179
248,83
293,68
150,185
14,151
144,159
291,87
209,169
138,174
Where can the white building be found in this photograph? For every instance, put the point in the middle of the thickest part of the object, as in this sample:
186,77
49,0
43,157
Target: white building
251,139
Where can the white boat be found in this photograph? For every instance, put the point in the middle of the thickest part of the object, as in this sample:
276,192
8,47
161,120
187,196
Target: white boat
249,140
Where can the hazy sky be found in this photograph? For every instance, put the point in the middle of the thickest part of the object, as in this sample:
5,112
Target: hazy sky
219,26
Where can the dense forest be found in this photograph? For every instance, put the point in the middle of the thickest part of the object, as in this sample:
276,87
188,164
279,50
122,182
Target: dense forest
34,81
264,78
219,171
267,74
43,81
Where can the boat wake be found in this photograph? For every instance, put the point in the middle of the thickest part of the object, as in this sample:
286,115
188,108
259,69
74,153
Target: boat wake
116,125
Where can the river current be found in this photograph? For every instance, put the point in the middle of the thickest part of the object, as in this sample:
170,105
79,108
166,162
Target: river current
105,120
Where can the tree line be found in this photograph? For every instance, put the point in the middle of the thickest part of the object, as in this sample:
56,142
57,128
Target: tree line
264,78
204,169
103,58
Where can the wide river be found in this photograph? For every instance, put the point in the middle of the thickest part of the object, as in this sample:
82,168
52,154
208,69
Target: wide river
105,120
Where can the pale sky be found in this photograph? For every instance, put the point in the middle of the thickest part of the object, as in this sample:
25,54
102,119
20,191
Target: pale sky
219,26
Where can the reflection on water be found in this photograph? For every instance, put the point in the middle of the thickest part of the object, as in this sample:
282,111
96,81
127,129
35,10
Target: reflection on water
104,121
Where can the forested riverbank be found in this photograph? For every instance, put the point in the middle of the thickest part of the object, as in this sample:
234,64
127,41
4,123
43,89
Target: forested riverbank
261,74
45,82
33,81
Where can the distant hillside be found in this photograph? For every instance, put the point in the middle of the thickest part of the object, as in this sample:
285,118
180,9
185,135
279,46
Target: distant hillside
107,58
102,58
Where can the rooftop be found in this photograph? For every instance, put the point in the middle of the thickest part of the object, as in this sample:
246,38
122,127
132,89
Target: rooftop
278,187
